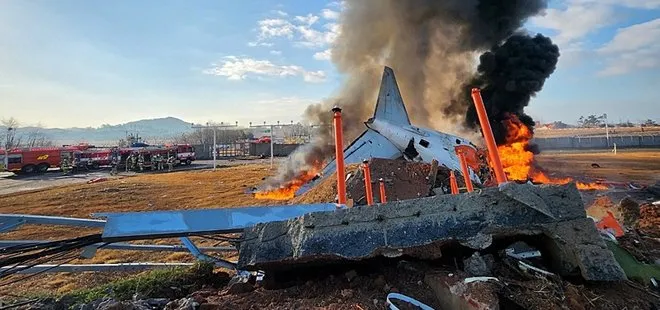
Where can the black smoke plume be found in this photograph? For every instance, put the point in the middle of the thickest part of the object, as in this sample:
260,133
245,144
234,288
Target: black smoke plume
430,44
509,75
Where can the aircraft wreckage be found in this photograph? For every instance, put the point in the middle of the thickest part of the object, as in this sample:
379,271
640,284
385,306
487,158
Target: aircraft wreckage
284,237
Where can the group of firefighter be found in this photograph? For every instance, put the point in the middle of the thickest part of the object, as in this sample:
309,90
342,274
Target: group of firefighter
134,162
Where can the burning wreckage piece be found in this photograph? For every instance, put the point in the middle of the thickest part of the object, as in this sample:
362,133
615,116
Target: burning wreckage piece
551,215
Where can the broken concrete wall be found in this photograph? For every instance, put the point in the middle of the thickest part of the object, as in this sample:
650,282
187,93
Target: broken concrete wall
421,227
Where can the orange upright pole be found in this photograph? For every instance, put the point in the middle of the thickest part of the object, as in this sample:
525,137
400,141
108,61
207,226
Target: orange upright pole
367,183
339,156
488,135
383,198
465,171
452,183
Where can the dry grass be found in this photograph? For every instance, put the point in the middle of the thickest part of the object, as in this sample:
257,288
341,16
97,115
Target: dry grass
627,165
225,188
586,132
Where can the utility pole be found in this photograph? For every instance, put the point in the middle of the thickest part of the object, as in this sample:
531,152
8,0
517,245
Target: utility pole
9,129
215,144
272,136
607,130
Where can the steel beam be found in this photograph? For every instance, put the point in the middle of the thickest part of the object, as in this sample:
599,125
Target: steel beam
126,246
96,267
181,223
195,251
12,221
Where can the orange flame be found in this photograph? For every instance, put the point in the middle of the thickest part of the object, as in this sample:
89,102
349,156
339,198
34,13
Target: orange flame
288,190
518,161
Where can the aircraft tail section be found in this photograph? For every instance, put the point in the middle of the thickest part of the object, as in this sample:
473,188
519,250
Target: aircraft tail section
390,105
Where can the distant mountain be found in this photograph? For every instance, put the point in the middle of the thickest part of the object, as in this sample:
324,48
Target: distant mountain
151,130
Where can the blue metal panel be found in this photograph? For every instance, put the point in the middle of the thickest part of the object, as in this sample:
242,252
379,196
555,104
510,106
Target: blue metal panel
11,221
180,223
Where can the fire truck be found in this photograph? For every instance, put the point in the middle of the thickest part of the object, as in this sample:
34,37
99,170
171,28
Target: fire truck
185,153
36,160
39,160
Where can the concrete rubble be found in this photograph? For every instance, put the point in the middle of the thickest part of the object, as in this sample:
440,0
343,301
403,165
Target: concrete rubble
552,214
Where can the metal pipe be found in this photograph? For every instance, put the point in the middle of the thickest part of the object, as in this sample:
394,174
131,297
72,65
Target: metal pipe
339,156
452,183
488,136
383,198
367,183
465,171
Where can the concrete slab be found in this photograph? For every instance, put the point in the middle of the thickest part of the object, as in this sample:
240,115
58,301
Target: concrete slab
422,227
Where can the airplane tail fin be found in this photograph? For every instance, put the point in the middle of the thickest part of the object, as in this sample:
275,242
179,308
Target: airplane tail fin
390,105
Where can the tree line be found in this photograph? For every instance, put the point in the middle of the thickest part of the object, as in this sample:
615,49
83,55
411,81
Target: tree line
13,136
596,121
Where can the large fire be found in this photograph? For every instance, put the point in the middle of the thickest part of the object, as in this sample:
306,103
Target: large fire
288,189
518,160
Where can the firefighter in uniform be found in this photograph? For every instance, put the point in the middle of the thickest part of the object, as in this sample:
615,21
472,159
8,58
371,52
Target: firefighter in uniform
64,165
140,161
170,163
114,161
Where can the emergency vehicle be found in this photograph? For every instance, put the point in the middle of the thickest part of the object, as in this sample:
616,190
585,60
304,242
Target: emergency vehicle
39,160
31,160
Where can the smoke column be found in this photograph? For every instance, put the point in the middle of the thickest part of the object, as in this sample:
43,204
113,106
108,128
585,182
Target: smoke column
431,45
509,75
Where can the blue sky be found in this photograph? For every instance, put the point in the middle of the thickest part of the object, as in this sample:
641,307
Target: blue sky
85,63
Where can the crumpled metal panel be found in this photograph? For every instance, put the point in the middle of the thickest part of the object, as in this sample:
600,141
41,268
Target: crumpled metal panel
369,145
177,223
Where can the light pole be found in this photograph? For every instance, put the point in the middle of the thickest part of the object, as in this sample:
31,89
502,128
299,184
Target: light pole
9,129
222,125
272,137
607,130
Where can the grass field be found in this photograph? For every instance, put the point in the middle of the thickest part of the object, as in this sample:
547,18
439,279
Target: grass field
225,188
627,165
592,132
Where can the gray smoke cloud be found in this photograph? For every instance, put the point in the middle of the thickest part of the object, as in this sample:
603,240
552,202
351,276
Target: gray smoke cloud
432,45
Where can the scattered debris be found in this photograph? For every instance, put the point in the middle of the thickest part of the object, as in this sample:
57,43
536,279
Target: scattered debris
476,265
421,227
520,250
407,299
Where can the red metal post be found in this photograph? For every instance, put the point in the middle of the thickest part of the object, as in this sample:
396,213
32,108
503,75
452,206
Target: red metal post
367,183
452,183
339,156
488,135
465,171
383,198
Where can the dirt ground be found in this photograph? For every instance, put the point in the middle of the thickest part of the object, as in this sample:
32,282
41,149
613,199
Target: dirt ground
225,188
641,166
586,132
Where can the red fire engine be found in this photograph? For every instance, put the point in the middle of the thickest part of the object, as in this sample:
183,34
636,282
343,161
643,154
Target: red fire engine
30,160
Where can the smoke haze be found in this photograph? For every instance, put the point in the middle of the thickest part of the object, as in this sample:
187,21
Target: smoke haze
431,45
